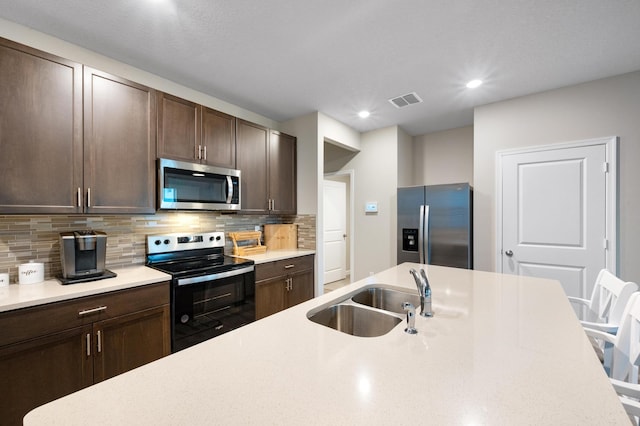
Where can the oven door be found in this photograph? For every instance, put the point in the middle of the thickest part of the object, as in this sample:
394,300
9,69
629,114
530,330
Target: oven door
205,307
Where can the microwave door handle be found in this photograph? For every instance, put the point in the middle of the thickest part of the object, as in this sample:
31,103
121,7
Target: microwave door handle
229,189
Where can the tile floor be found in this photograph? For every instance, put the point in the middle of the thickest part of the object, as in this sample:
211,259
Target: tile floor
337,284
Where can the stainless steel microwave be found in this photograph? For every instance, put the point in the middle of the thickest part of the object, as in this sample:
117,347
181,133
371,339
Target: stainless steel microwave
192,186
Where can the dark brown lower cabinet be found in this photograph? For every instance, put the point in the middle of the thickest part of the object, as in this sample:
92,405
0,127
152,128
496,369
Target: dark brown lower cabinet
40,370
53,350
283,284
141,336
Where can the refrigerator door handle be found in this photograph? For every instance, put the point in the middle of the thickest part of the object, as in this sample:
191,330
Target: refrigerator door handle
423,235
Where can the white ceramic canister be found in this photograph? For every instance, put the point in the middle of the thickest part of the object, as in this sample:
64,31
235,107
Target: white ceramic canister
30,273
4,280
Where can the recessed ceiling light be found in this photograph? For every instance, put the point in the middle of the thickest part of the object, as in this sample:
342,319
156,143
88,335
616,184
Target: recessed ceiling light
474,83
364,114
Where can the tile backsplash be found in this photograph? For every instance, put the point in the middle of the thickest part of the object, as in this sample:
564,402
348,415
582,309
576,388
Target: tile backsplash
37,238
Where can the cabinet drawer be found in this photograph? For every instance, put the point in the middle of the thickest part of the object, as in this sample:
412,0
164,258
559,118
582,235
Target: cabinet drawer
283,267
29,323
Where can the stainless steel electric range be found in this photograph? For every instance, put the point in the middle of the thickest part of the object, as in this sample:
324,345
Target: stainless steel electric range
211,293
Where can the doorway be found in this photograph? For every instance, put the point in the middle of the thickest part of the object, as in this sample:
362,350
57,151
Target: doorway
557,212
337,229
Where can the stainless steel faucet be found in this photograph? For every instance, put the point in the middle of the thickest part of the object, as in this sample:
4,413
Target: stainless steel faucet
411,318
424,290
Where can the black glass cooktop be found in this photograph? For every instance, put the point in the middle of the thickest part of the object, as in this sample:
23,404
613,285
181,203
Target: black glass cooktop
199,266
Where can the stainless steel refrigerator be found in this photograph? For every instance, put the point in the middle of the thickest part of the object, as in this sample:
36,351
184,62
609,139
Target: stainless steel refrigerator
435,225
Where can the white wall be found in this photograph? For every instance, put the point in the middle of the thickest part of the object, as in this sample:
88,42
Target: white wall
405,159
311,131
309,164
607,107
376,179
24,35
444,157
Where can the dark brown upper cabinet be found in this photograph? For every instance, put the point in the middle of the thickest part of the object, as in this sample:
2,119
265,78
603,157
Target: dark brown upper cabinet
191,132
58,157
282,173
40,131
267,160
119,145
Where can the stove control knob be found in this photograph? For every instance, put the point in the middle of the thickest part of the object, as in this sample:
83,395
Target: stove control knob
184,318
157,242
218,238
211,238
166,241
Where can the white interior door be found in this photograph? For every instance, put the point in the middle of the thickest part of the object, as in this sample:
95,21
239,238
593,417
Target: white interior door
335,219
555,214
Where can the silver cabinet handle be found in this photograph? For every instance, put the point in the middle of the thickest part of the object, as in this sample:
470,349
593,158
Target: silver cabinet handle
199,152
92,311
88,341
88,197
508,253
99,338
289,266
273,204
205,152
79,197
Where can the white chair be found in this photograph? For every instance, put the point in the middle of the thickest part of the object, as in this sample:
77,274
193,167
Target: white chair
608,300
604,310
625,358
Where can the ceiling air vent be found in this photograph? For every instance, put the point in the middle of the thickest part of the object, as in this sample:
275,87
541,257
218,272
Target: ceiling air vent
406,100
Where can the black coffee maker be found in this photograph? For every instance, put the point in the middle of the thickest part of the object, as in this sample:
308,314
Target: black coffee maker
82,254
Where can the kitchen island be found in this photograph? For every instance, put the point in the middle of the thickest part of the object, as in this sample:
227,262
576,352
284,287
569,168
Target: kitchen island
500,349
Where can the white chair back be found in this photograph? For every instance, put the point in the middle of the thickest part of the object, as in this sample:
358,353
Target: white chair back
626,348
609,298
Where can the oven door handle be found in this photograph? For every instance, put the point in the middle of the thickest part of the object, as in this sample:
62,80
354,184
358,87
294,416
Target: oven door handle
211,277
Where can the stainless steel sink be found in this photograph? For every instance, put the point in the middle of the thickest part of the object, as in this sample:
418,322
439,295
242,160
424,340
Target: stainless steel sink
355,320
386,299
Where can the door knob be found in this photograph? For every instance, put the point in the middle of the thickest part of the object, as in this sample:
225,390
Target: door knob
508,253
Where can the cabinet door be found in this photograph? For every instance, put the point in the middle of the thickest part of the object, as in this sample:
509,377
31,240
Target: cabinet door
178,128
40,370
252,156
218,138
282,173
119,144
270,296
40,131
129,341
301,288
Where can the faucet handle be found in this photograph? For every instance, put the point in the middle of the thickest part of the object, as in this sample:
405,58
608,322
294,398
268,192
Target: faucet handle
411,318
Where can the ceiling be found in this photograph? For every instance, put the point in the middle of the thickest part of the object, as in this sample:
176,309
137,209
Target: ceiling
287,58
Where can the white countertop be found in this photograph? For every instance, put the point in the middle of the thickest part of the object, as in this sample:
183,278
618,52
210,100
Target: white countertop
273,255
500,350
17,296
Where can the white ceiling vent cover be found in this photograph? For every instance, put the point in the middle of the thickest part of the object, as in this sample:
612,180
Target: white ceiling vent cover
406,100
